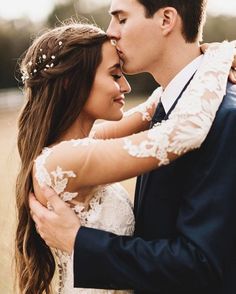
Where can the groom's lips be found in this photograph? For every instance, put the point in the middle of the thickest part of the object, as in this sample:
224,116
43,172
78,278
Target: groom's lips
120,53
121,56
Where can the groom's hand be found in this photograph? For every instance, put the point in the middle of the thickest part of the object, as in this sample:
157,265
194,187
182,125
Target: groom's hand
232,73
58,226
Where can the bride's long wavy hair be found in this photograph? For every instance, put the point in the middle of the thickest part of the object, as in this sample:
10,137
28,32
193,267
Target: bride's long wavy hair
58,71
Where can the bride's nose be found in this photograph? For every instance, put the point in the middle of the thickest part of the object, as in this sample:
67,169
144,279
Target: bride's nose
124,85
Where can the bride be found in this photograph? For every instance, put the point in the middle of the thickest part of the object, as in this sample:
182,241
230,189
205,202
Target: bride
72,77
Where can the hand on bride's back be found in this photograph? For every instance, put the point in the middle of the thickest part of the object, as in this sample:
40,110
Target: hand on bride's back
59,225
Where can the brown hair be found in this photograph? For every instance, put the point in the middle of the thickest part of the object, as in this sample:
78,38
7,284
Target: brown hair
192,13
58,72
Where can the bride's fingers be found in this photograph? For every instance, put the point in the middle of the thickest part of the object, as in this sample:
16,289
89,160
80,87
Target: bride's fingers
234,62
232,75
205,46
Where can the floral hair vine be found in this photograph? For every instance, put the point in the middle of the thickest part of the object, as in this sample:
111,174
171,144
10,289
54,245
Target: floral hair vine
41,59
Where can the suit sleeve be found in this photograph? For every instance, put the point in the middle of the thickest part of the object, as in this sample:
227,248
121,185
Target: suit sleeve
197,257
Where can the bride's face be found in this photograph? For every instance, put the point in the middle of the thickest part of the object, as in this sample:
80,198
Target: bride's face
106,99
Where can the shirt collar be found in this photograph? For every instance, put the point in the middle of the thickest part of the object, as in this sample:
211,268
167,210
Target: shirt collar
176,85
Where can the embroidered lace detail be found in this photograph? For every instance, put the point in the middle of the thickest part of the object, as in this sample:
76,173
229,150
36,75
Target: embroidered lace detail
42,174
60,177
145,108
190,121
101,213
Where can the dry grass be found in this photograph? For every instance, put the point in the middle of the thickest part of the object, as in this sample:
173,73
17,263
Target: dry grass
8,170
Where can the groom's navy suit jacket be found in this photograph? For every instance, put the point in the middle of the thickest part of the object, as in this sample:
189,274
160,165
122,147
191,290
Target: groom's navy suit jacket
185,236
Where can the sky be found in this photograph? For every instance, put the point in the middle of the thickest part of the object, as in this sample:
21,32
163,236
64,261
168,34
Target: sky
37,10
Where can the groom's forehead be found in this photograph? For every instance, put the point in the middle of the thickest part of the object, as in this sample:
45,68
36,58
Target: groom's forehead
121,5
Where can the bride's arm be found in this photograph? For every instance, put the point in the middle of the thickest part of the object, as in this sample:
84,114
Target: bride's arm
135,120
82,163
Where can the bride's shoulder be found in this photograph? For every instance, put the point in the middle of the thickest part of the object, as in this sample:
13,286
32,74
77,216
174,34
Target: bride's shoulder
57,165
62,154
60,149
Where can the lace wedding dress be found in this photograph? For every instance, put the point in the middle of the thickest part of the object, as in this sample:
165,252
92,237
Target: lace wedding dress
94,163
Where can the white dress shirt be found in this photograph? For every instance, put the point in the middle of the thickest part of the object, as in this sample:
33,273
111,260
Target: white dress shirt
176,85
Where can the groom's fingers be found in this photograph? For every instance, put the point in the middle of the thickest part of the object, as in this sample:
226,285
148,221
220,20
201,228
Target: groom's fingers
37,210
55,203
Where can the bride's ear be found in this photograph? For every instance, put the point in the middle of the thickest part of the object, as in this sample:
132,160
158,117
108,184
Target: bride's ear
169,19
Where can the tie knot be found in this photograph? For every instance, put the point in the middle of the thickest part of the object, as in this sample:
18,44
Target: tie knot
159,114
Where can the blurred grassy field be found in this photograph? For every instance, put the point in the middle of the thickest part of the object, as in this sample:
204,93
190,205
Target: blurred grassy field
9,163
8,170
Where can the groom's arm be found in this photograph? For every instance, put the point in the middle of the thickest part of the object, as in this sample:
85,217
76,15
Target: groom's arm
197,258
104,260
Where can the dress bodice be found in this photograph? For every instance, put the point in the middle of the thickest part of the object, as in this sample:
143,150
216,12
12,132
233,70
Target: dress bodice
109,209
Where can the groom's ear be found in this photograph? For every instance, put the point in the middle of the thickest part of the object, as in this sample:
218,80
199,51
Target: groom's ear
169,19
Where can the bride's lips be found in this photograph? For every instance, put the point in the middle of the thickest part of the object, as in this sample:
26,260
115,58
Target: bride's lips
120,100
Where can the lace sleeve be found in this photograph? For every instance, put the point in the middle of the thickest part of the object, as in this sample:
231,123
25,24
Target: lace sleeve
190,121
96,162
146,109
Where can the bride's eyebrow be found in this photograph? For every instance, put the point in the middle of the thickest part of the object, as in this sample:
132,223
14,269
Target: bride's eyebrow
115,66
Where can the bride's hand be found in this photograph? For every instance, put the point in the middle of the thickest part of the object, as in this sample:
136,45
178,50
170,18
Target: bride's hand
58,225
232,73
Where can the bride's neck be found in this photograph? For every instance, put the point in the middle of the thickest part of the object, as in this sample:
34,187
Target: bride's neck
78,130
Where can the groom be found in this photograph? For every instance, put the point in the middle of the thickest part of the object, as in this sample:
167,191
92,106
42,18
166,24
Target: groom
185,235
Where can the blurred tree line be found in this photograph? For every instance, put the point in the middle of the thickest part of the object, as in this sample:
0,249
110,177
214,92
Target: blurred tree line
16,36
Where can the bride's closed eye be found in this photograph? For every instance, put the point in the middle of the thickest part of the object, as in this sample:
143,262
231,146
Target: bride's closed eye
116,76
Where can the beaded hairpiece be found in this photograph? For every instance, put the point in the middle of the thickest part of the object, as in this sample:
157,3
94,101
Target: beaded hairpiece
41,59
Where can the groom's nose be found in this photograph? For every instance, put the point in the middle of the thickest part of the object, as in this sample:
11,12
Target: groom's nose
113,30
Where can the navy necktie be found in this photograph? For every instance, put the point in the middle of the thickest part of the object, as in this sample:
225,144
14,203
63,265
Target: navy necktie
158,115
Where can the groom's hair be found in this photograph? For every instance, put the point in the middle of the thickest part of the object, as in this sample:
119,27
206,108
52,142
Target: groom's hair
192,13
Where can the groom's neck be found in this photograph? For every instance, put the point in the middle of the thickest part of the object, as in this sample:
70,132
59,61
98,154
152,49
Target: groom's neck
174,59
